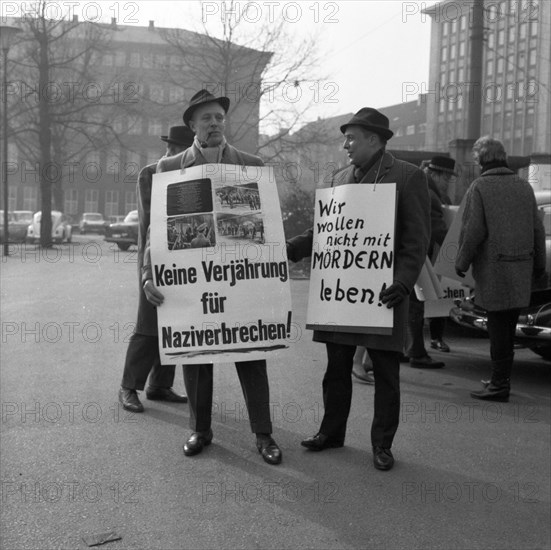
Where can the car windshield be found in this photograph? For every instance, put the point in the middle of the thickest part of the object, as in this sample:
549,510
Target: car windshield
24,217
93,217
131,217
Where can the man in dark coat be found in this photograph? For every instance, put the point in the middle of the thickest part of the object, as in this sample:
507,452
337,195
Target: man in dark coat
503,238
440,171
366,135
206,116
142,355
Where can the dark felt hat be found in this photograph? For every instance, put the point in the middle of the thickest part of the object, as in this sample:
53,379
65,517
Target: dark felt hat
443,164
179,135
372,120
201,98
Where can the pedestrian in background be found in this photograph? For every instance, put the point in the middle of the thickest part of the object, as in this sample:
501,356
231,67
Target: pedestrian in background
503,238
440,171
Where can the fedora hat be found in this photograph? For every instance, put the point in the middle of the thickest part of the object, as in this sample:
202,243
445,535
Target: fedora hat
442,164
179,135
370,119
201,98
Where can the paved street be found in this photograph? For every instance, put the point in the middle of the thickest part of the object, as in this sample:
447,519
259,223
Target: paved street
468,474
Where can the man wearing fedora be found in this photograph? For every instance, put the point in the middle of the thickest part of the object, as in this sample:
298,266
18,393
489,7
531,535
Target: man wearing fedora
142,355
440,171
206,116
365,138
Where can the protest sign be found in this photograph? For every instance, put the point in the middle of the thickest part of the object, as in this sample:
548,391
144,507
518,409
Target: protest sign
352,258
218,257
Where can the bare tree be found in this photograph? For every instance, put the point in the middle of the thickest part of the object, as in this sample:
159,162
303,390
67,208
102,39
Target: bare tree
60,113
267,66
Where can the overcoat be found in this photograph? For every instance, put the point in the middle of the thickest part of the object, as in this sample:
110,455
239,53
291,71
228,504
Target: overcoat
412,234
503,237
147,314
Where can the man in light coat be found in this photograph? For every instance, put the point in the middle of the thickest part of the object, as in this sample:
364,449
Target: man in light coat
503,238
365,136
206,116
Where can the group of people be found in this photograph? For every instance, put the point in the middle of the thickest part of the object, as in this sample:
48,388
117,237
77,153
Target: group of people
504,257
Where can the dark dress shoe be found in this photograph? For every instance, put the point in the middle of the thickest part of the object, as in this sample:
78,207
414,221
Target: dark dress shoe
130,401
268,448
425,362
440,345
197,440
382,458
319,442
165,394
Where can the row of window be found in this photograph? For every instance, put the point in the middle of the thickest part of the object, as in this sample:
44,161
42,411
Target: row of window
411,129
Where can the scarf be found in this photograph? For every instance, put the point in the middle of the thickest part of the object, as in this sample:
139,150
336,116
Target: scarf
210,154
492,165
361,171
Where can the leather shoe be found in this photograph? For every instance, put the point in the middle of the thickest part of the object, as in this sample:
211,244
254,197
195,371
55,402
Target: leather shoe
440,345
425,362
268,448
164,394
382,458
130,401
197,440
319,442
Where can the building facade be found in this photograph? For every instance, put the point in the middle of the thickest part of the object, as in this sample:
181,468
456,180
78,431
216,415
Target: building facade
516,74
149,75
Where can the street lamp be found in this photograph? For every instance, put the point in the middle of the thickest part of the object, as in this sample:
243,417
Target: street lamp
6,35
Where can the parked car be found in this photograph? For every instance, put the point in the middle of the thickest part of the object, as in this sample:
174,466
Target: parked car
61,228
124,233
10,217
92,222
534,325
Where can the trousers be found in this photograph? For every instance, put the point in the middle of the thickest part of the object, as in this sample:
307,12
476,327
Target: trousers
337,393
253,378
142,358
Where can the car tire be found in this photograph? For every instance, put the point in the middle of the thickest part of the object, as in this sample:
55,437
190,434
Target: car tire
123,246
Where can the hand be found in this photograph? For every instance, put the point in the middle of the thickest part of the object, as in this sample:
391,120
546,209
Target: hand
154,296
393,295
460,273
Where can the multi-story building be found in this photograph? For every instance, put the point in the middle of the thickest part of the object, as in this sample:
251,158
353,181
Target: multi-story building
516,74
149,74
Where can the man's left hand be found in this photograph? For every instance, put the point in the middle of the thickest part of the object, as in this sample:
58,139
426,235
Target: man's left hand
393,295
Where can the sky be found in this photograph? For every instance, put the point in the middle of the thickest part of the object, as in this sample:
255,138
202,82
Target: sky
375,53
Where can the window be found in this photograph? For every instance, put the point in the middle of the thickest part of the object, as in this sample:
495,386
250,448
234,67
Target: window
12,152
410,130
452,52
500,37
176,95
490,67
399,132
91,199
522,30
120,59
70,205
134,59
444,53
12,198
463,22
108,60
111,203
156,93
135,125
461,49
30,198
113,161
500,63
133,163
130,201
422,127
532,57
155,127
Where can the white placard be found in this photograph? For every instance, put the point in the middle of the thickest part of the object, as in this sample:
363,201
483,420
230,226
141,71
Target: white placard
218,257
352,258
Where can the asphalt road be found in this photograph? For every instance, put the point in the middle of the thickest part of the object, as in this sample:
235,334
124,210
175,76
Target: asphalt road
468,474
